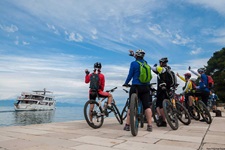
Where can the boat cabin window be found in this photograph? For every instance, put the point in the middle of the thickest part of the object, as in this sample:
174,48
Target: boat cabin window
28,102
27,96
48,98
37,97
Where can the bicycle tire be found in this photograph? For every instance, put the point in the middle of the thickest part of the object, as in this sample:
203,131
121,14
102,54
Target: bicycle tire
182,114
117,113
134,122
154,111
195,114
170,114
97,114
124,111
205,112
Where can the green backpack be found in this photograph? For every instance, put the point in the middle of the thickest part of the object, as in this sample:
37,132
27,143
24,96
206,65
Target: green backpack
145,72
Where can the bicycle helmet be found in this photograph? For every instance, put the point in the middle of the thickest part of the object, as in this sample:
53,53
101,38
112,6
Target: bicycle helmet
140,53
163,60
201,70
188,75
98,65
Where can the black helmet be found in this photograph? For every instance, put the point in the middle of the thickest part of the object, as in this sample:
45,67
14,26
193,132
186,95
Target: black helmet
98,65
163,60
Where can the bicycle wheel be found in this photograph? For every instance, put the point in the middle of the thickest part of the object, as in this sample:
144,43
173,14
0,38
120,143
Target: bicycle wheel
182,114
117,113
194,112
170,114
124,111
94,118
134,123
154,111
204,112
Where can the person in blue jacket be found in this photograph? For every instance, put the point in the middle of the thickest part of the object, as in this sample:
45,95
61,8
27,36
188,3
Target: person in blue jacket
142,88
203,84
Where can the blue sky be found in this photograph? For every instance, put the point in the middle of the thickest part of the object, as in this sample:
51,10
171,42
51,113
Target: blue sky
49,44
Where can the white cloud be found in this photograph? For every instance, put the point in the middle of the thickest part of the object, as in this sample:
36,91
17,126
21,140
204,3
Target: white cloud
180,40
25,43
94,34
217,5
64,78
76,37
196,51
11,28
172,36
53,28
109,25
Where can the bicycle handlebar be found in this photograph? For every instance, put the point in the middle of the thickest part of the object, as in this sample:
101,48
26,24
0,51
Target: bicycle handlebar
125,90
112,90
127,85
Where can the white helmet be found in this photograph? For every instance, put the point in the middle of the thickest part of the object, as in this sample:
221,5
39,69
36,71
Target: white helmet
140,53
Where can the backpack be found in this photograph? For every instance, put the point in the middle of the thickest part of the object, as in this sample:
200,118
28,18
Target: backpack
145,72
171,78
193,84
210,82
94,82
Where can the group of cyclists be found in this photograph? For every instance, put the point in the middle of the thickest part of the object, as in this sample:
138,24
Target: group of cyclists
143,89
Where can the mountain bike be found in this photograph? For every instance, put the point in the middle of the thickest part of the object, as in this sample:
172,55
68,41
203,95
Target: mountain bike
198,109
125,108
175,111
136,112
95,113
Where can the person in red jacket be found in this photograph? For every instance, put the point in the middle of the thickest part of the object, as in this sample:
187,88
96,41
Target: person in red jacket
101,83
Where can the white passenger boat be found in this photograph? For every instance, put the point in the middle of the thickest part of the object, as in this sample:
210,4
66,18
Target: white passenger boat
36,100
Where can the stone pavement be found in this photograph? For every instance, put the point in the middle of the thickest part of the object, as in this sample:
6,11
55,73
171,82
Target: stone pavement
111,136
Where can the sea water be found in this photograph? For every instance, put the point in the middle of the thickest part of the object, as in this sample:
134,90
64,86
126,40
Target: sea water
10,117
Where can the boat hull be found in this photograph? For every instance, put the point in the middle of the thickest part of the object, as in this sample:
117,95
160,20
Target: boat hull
34,107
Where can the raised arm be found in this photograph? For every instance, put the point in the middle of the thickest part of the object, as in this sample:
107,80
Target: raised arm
189,68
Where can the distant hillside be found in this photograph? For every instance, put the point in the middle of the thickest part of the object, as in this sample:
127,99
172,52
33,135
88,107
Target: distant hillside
58,104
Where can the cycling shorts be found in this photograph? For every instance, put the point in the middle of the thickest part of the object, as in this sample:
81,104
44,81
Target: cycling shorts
143,94
93,94
161,95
